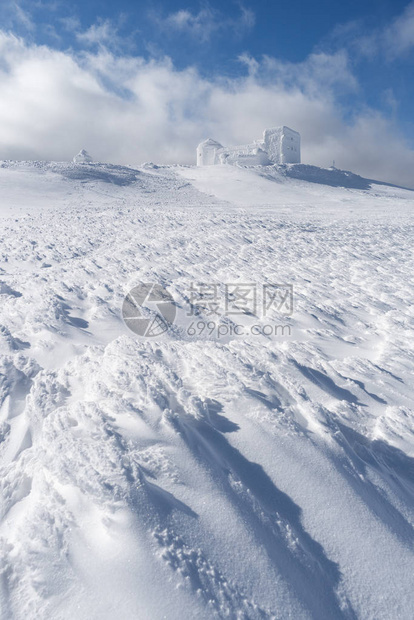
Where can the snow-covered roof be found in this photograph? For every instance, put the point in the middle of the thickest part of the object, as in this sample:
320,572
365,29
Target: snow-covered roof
211,142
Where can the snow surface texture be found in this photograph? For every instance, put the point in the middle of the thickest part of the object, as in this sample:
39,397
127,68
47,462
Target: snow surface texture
260,477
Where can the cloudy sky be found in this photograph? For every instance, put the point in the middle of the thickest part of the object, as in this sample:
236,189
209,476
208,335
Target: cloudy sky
143,81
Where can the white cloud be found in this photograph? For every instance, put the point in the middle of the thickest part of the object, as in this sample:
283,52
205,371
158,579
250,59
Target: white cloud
14,15
124,109
319,70
23,16
398,38
202,25
102,33
391,41
71,23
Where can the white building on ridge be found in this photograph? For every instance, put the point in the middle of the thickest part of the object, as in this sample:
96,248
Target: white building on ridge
279,145
82,157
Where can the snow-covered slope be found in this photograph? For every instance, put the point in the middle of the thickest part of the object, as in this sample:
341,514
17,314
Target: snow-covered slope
255,476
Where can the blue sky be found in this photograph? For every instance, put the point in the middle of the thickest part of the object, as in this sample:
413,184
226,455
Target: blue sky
352,61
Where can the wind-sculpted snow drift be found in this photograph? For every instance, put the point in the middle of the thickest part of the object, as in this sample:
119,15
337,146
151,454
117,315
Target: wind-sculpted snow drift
263,476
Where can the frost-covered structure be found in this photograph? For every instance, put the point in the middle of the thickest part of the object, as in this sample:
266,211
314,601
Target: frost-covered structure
280,145
83,157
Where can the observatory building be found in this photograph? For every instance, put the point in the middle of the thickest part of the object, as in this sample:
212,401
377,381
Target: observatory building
279,145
